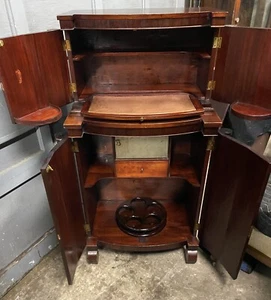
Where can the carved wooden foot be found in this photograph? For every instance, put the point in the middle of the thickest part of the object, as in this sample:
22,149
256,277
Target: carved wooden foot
92,251
191,251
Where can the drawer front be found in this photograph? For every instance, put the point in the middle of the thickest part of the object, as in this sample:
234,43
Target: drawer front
146,168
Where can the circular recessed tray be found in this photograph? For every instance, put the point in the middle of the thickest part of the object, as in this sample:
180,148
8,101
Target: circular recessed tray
141,217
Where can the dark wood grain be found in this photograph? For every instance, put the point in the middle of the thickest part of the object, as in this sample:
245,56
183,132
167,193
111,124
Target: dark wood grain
141,168
174,235
42,116
171,127
235,187
142,19
245,79
34,76
141,68
62,188
169,192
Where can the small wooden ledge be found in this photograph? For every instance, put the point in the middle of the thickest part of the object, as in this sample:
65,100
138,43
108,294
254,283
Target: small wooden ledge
43,116
250,112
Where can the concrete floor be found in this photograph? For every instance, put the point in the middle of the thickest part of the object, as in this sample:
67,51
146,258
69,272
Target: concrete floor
141,276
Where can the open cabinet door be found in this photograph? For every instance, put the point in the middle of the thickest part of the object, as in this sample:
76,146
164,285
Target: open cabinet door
35,77
235,187
62,188
243,65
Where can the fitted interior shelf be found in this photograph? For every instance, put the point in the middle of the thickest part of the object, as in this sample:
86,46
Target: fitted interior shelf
180,167
143,107
172,194
81,56
42,116
145,88
141,71
175,233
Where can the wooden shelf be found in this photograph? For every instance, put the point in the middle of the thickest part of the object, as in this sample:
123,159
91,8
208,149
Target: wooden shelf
136,88
183,168
96,172
43,116
142,107
174,235
81,56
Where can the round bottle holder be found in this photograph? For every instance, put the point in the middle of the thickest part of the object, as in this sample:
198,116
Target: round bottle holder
141,217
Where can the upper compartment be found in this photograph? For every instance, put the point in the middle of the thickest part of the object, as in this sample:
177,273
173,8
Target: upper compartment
152,57
155,60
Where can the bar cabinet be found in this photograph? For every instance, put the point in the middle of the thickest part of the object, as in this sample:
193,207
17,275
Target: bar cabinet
146,165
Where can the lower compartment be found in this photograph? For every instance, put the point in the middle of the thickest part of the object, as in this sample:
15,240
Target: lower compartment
174,235
176,195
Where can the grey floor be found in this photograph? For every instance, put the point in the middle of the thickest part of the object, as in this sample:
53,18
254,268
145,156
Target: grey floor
141,276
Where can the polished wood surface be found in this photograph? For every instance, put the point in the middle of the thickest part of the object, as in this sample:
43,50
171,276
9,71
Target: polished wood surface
141,168
251,112
143,107
241,68
140,68
170,193
42,116
152,128
236,183
142,19
35,77
62,188
174,235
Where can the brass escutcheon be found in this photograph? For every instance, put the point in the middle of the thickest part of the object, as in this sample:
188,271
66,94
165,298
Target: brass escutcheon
49,168
1,43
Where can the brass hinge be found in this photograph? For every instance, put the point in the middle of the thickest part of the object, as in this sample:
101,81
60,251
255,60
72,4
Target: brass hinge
211,85
73,88
217,42
197,226
87,228
1,43
75,148
67,45
211,144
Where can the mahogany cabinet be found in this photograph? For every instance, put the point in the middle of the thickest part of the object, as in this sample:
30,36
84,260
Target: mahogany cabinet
146,166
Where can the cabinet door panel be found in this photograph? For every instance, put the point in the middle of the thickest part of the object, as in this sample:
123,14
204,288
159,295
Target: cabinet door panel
34,73
242,67
62,188
235,187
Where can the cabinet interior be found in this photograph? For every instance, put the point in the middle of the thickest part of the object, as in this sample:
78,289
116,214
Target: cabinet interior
136,61
178,190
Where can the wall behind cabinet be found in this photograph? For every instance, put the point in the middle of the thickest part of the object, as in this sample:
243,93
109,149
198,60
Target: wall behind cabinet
26,227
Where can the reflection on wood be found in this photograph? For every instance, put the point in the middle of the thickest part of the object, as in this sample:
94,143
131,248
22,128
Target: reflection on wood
244,12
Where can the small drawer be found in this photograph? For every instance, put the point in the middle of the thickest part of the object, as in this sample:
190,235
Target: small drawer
140,168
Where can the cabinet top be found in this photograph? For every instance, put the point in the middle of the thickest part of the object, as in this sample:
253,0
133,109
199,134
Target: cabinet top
142,18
